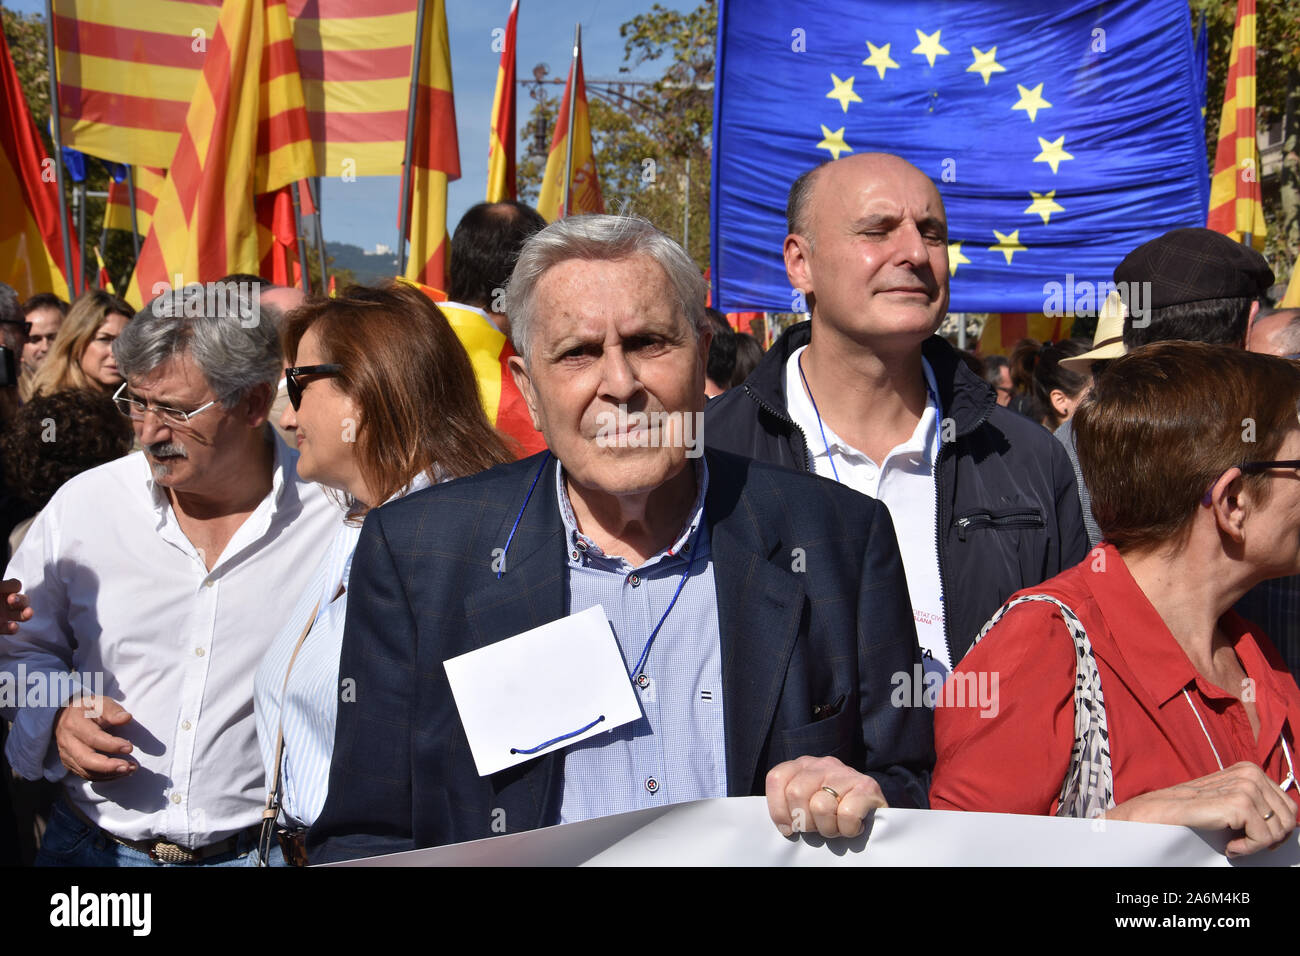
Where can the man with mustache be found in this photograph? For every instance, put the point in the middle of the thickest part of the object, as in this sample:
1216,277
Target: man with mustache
157,579
759,613
866,393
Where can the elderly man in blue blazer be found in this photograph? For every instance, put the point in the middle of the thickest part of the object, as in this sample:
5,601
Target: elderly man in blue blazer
762,615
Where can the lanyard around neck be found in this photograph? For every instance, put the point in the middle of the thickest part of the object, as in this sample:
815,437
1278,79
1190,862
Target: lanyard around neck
1286,751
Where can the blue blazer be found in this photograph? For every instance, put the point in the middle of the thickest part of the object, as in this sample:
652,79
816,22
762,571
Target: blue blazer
813,614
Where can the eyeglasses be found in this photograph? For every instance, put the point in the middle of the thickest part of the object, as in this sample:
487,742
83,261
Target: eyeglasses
135,409
25,326
1255,467
293,379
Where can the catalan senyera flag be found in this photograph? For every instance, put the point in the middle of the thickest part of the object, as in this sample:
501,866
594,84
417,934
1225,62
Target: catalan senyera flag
489,354
31,246
1002,330
148,184
435,154
501,147
125,82
1235,204
246,134
583,196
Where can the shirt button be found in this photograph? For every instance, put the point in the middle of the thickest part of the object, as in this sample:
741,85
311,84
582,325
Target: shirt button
642,681
582,545
199,651
634,580
574,555
652,785
176,797
208,583
186,725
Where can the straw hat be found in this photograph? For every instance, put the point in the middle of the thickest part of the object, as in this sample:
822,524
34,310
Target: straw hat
1107,341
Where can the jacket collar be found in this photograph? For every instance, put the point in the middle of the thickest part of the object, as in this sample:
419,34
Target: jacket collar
964,396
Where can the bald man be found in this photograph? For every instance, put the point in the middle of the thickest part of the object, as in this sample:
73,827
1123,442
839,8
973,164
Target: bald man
866,394
1276,333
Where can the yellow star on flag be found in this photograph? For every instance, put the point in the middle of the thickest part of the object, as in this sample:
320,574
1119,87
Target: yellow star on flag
929,46
955,257
1031,101
1008,245
986,64
1044,204
843,92
834,142
879,59
1053,153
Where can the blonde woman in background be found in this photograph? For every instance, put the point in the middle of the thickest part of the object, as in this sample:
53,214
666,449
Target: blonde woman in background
82,354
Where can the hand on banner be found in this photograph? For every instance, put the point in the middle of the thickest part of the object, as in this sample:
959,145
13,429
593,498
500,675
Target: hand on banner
823,792
17,608
1240,798
84,741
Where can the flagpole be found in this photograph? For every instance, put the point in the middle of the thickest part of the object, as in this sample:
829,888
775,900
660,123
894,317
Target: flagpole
568,139
135,226
313,189
405,201
81,222
58,147
302,242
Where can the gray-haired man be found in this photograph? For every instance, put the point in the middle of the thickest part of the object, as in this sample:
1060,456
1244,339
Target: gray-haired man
158,579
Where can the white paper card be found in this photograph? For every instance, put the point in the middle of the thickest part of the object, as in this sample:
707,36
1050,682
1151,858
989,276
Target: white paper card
540,685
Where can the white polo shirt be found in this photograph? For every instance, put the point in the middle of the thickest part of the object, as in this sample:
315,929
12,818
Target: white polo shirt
905,482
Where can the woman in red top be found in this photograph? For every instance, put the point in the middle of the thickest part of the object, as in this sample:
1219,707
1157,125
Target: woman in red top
1192,455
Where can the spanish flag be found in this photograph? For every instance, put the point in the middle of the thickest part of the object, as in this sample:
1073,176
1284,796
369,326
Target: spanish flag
581,194
435,154
489,353
1235,207
246,134
31,245
501,145
147,182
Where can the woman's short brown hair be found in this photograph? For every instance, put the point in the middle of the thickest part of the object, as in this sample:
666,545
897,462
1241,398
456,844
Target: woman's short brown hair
407,372
1166,420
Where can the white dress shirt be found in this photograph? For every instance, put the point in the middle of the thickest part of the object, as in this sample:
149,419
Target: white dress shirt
905,482
122,596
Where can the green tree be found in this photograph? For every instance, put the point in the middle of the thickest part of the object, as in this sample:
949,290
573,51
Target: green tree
644,135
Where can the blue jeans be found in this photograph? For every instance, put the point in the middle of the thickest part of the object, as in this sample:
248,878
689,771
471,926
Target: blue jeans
71,841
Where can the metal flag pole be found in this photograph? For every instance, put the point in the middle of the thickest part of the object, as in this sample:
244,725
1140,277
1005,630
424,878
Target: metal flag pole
73,284
313,189
568,139
302,243
82,238
403,209
135,223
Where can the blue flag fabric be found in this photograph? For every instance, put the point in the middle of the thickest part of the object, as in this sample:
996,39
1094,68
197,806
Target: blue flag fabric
74,162
1062,134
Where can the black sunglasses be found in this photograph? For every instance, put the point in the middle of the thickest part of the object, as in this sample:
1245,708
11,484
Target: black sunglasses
25,326
1255,467
293,376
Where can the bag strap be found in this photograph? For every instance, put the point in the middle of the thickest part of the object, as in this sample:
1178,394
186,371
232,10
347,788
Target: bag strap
272,810
1088,789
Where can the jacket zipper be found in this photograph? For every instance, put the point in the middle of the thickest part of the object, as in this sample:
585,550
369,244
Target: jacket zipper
785,419
1023,519
939,524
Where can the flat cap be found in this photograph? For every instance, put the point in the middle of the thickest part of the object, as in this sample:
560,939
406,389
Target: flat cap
1195,265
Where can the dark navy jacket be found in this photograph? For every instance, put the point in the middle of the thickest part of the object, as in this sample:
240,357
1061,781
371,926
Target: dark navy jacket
1008,515
814,625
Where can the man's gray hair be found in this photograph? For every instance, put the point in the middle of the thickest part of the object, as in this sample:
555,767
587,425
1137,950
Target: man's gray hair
211,323
11,311
600,238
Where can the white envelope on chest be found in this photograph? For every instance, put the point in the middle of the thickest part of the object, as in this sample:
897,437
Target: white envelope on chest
542,690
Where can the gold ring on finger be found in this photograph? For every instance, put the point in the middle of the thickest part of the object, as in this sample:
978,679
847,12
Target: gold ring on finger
832,792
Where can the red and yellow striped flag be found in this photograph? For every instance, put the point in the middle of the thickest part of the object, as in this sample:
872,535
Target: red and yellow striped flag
501,145
583,195
245,134
1235,206
124,89
435,154
148,184
31,245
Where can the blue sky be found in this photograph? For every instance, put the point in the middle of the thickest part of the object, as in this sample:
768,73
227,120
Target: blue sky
364,212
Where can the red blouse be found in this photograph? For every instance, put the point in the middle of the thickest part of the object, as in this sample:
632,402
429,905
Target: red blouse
1014,760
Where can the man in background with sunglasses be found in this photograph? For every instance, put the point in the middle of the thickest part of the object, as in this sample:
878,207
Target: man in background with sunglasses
158,578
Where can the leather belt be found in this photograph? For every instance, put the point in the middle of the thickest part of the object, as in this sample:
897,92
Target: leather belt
165,852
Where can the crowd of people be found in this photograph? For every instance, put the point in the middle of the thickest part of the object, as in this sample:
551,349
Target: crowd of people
880,573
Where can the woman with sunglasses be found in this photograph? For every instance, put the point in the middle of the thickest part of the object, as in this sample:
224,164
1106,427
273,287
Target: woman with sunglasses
82,353
383,401
1146,696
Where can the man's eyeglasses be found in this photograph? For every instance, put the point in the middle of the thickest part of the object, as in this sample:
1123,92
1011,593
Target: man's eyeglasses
293,377
135,409
1255,467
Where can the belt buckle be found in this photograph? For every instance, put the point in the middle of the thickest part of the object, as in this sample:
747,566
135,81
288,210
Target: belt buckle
294,845
165,852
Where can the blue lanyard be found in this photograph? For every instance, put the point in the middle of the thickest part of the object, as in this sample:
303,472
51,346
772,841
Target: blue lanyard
635,673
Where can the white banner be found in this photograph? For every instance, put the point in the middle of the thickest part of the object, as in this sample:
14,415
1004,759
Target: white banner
738,832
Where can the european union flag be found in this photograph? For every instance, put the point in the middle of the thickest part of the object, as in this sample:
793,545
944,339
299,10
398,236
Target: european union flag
1061,133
